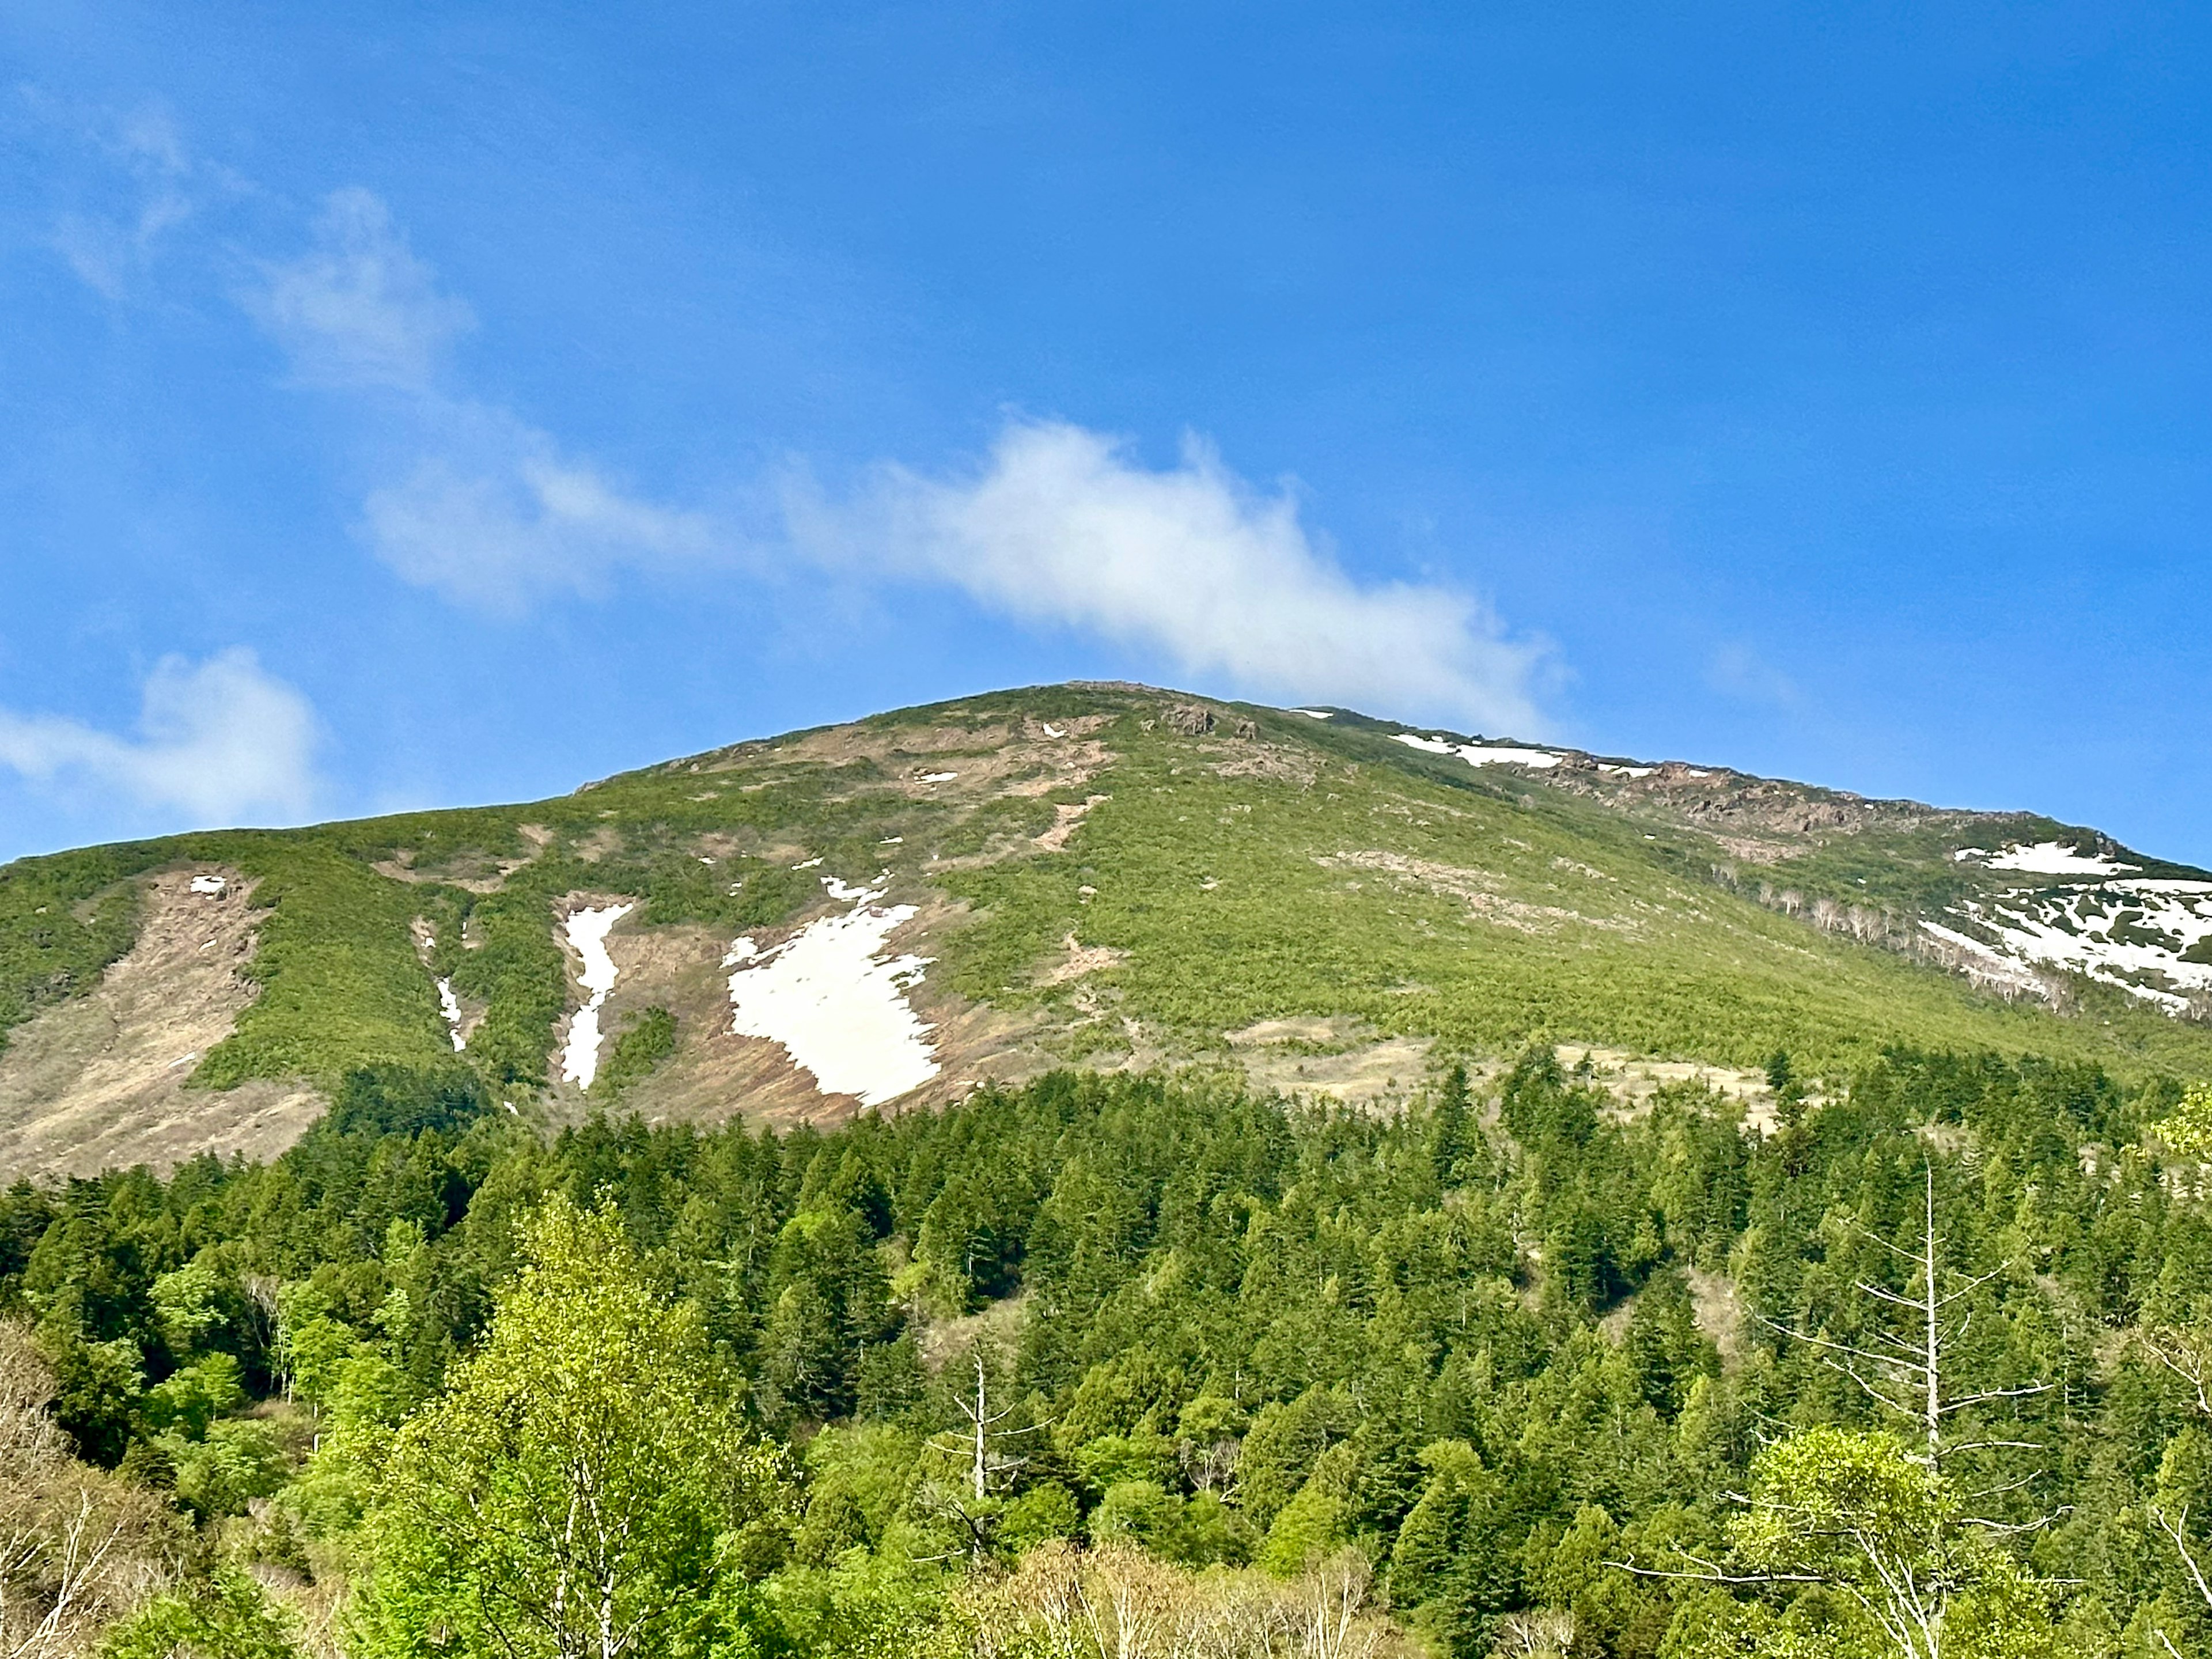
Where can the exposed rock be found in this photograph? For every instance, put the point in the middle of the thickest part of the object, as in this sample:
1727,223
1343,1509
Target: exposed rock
1190,718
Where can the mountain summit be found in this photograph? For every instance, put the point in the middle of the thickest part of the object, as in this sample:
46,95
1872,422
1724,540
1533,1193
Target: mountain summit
884,913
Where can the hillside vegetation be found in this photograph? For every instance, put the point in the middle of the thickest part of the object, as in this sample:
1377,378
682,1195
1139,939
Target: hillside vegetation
1312,1381
1701,1267
1160,875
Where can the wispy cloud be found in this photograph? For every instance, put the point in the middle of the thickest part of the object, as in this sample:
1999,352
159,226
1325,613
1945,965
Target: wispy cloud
1738,671
482,506
1059,527
218,742
358,311
1063,525
495,516
157,186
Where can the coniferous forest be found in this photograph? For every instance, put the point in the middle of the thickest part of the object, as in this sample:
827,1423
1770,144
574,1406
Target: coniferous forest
1134,1365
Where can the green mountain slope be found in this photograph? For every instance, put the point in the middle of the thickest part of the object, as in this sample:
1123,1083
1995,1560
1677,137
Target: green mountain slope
1111,875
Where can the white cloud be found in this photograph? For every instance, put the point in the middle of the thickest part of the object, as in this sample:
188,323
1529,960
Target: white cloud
497,521
358,311
220,742
109,250
1063,526
480,505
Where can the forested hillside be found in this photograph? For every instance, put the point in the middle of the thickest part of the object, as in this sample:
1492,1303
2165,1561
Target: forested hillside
1137,1366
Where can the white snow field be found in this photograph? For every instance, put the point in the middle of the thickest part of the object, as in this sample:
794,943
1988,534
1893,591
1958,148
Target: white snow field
2132,934
450,1007
836,1001
1481,754
2046,857
587,932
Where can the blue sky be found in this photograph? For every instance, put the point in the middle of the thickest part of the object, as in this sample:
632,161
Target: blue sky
409,405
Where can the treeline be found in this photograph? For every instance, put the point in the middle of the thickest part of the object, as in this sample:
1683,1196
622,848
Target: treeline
1517,1373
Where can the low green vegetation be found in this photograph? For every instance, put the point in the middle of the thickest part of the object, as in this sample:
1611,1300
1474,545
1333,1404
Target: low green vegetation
1318,869
63,919
1471,914
1509,1374
636,1049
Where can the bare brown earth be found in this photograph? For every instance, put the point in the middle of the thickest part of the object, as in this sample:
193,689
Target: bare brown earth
1332,1056
715,1075
100,1082
1634,1079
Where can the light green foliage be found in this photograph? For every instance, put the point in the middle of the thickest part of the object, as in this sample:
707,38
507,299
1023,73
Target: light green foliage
190,1398
1285,1442
1046,1511
191,1304
223,1615
574,1488
1854,1511
2188,1132
233,1463
1317,1521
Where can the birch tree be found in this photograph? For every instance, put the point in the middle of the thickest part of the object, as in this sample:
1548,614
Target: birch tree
574,1492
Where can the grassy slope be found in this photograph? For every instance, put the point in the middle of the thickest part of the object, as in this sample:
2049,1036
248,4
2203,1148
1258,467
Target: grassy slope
1676,966
1702,974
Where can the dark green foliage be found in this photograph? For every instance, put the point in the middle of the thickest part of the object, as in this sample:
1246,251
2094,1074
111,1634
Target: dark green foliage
1492,1360
636,1049
398,1100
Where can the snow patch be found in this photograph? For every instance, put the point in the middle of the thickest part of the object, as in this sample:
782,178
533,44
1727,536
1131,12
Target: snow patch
1314,713
210,884
2131,934
939,777
2054,858
1627,771
808,864
587,932
450,1007
836,1002
1052,730
1481,754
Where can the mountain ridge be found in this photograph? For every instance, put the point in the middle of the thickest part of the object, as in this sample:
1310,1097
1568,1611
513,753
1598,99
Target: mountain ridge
1101,874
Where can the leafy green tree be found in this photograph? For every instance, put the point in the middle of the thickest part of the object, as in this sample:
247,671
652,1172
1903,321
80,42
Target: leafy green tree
2188,1132
223,1615
584,1481
1317,1521
1855,1513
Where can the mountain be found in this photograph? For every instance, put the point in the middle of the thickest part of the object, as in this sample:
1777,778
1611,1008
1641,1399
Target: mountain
885,912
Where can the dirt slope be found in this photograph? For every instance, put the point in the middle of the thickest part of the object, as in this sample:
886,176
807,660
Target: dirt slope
99,1082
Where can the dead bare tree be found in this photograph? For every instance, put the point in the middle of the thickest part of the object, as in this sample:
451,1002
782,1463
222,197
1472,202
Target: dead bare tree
77,1546
1910,1376
981,1449
2188,1355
